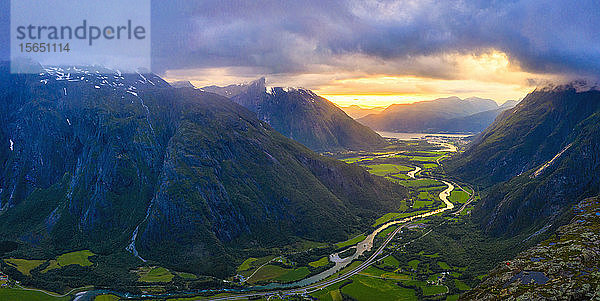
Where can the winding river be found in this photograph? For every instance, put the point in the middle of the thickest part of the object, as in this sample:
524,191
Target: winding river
367,243
412,173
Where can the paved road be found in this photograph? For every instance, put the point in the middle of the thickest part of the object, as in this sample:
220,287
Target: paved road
47,292
471,199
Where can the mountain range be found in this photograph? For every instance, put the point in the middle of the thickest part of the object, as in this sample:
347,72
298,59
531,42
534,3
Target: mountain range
450,114
95,159
302,115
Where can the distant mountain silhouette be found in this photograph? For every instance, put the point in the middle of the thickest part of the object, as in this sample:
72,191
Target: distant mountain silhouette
356,111
450,114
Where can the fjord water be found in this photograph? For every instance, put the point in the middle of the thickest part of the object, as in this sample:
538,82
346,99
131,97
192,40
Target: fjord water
411,136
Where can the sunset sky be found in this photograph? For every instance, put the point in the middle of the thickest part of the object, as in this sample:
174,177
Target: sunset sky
488,75
377,52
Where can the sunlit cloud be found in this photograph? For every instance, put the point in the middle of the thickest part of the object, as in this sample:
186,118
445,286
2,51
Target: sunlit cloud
490,75
412,89
371,81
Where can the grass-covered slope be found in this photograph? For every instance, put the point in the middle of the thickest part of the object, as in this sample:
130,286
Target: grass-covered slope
87,161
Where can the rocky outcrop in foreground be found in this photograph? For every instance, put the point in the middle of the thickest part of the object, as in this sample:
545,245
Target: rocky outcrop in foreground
564,267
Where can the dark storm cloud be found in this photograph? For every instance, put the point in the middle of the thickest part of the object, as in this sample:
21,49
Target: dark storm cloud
294,36
278,36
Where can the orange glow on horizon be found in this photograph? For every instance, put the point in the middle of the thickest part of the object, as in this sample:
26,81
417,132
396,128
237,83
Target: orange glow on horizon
367,82
375,101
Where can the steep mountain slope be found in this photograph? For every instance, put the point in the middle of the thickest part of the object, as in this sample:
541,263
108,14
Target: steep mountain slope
426,116
185,178
356,112
477,122
303,116
563,267
472,123
536,159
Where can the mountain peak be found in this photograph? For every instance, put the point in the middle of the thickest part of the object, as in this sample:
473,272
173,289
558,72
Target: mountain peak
259,82
303,115
479,99
576,85
449,98
182,84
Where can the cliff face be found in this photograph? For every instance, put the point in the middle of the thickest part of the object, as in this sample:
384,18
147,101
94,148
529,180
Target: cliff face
80,149
535,160
109,161
302,115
